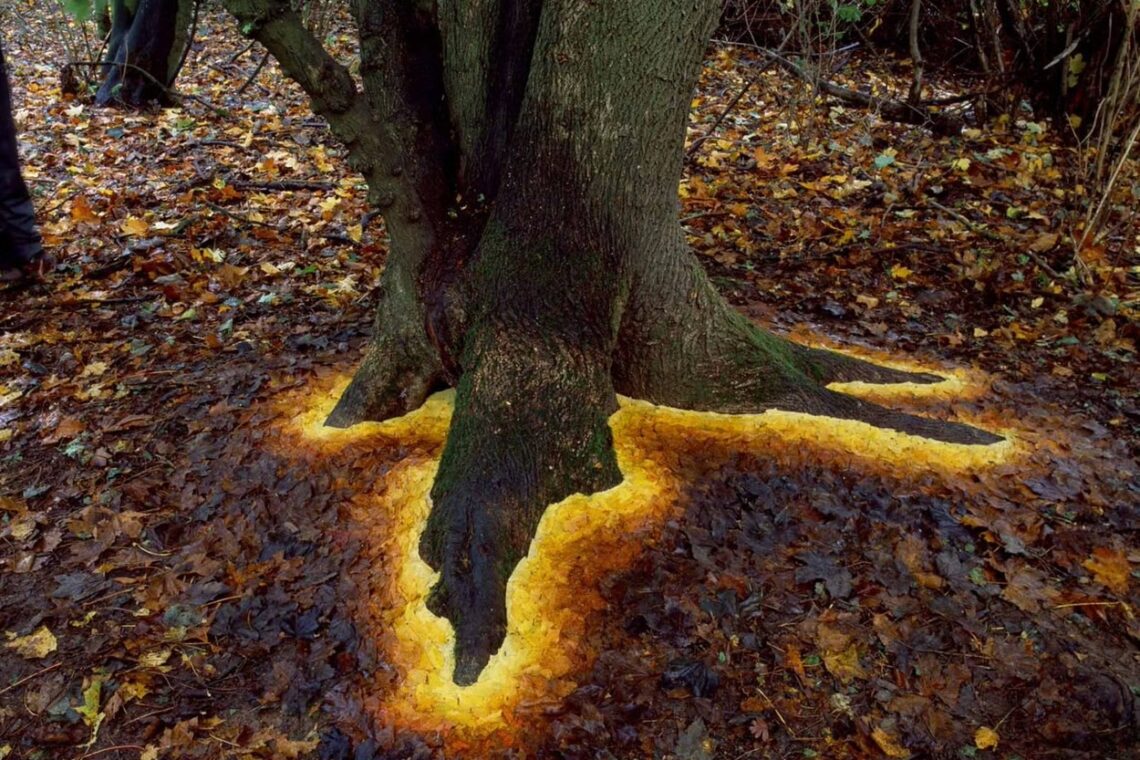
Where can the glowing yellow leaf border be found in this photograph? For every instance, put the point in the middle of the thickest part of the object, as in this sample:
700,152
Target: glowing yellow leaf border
552,595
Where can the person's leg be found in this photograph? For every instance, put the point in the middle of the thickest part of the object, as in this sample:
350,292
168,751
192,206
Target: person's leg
20,242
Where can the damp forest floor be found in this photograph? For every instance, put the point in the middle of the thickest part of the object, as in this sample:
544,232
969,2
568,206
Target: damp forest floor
170,587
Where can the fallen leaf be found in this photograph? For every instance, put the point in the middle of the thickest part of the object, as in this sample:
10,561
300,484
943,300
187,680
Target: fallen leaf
888,743
795,662
135,227
844,665
68,428
154,659
81,211
985,738
1044,242
1110,568
36,645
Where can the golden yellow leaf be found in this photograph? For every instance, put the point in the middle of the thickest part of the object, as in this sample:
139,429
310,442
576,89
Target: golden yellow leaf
81,210
134,226
844,665
1110,568
132,690
22,527
888,743
985,738
355,233
289,748
899,272
154,659
94,369
36,645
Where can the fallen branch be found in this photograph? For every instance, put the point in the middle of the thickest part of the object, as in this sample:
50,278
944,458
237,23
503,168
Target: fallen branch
892,110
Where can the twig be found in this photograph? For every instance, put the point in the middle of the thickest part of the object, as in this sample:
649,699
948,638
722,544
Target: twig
115,748
25,679
776,710
224,143
150,714
1087,604
732,104
342,239
964,97
256,71
720,119
238,217
243,51
1012,710
979,229
124,259
284,184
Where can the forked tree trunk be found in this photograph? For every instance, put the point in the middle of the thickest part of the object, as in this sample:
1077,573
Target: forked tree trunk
526,156
144,50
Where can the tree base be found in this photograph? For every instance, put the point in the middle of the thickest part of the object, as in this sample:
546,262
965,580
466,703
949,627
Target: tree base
530,428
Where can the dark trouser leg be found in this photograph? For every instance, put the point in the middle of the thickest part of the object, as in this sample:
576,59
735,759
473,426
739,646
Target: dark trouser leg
19,238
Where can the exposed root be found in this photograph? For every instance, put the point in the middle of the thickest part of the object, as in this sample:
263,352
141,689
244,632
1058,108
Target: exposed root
387,385
470,548
529,428
831,367
400,369
825,402
682,345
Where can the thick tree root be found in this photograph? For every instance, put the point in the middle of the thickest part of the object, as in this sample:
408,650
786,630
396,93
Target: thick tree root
825,367
392,380
829,403
530,422
682,345
401,367
529,428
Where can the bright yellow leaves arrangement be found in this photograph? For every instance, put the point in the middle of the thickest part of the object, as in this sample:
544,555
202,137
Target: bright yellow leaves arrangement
553,598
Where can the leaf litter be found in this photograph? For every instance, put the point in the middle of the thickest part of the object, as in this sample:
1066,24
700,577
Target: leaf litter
179,588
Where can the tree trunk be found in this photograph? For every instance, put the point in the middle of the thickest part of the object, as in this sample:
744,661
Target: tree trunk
526,156
144,51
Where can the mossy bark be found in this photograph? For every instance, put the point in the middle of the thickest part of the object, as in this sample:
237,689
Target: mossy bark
526,157
144,49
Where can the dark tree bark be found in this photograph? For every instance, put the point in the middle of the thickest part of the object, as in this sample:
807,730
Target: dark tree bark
526,157
144,50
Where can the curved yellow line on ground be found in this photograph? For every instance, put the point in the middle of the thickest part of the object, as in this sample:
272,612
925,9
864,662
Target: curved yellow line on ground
553,593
